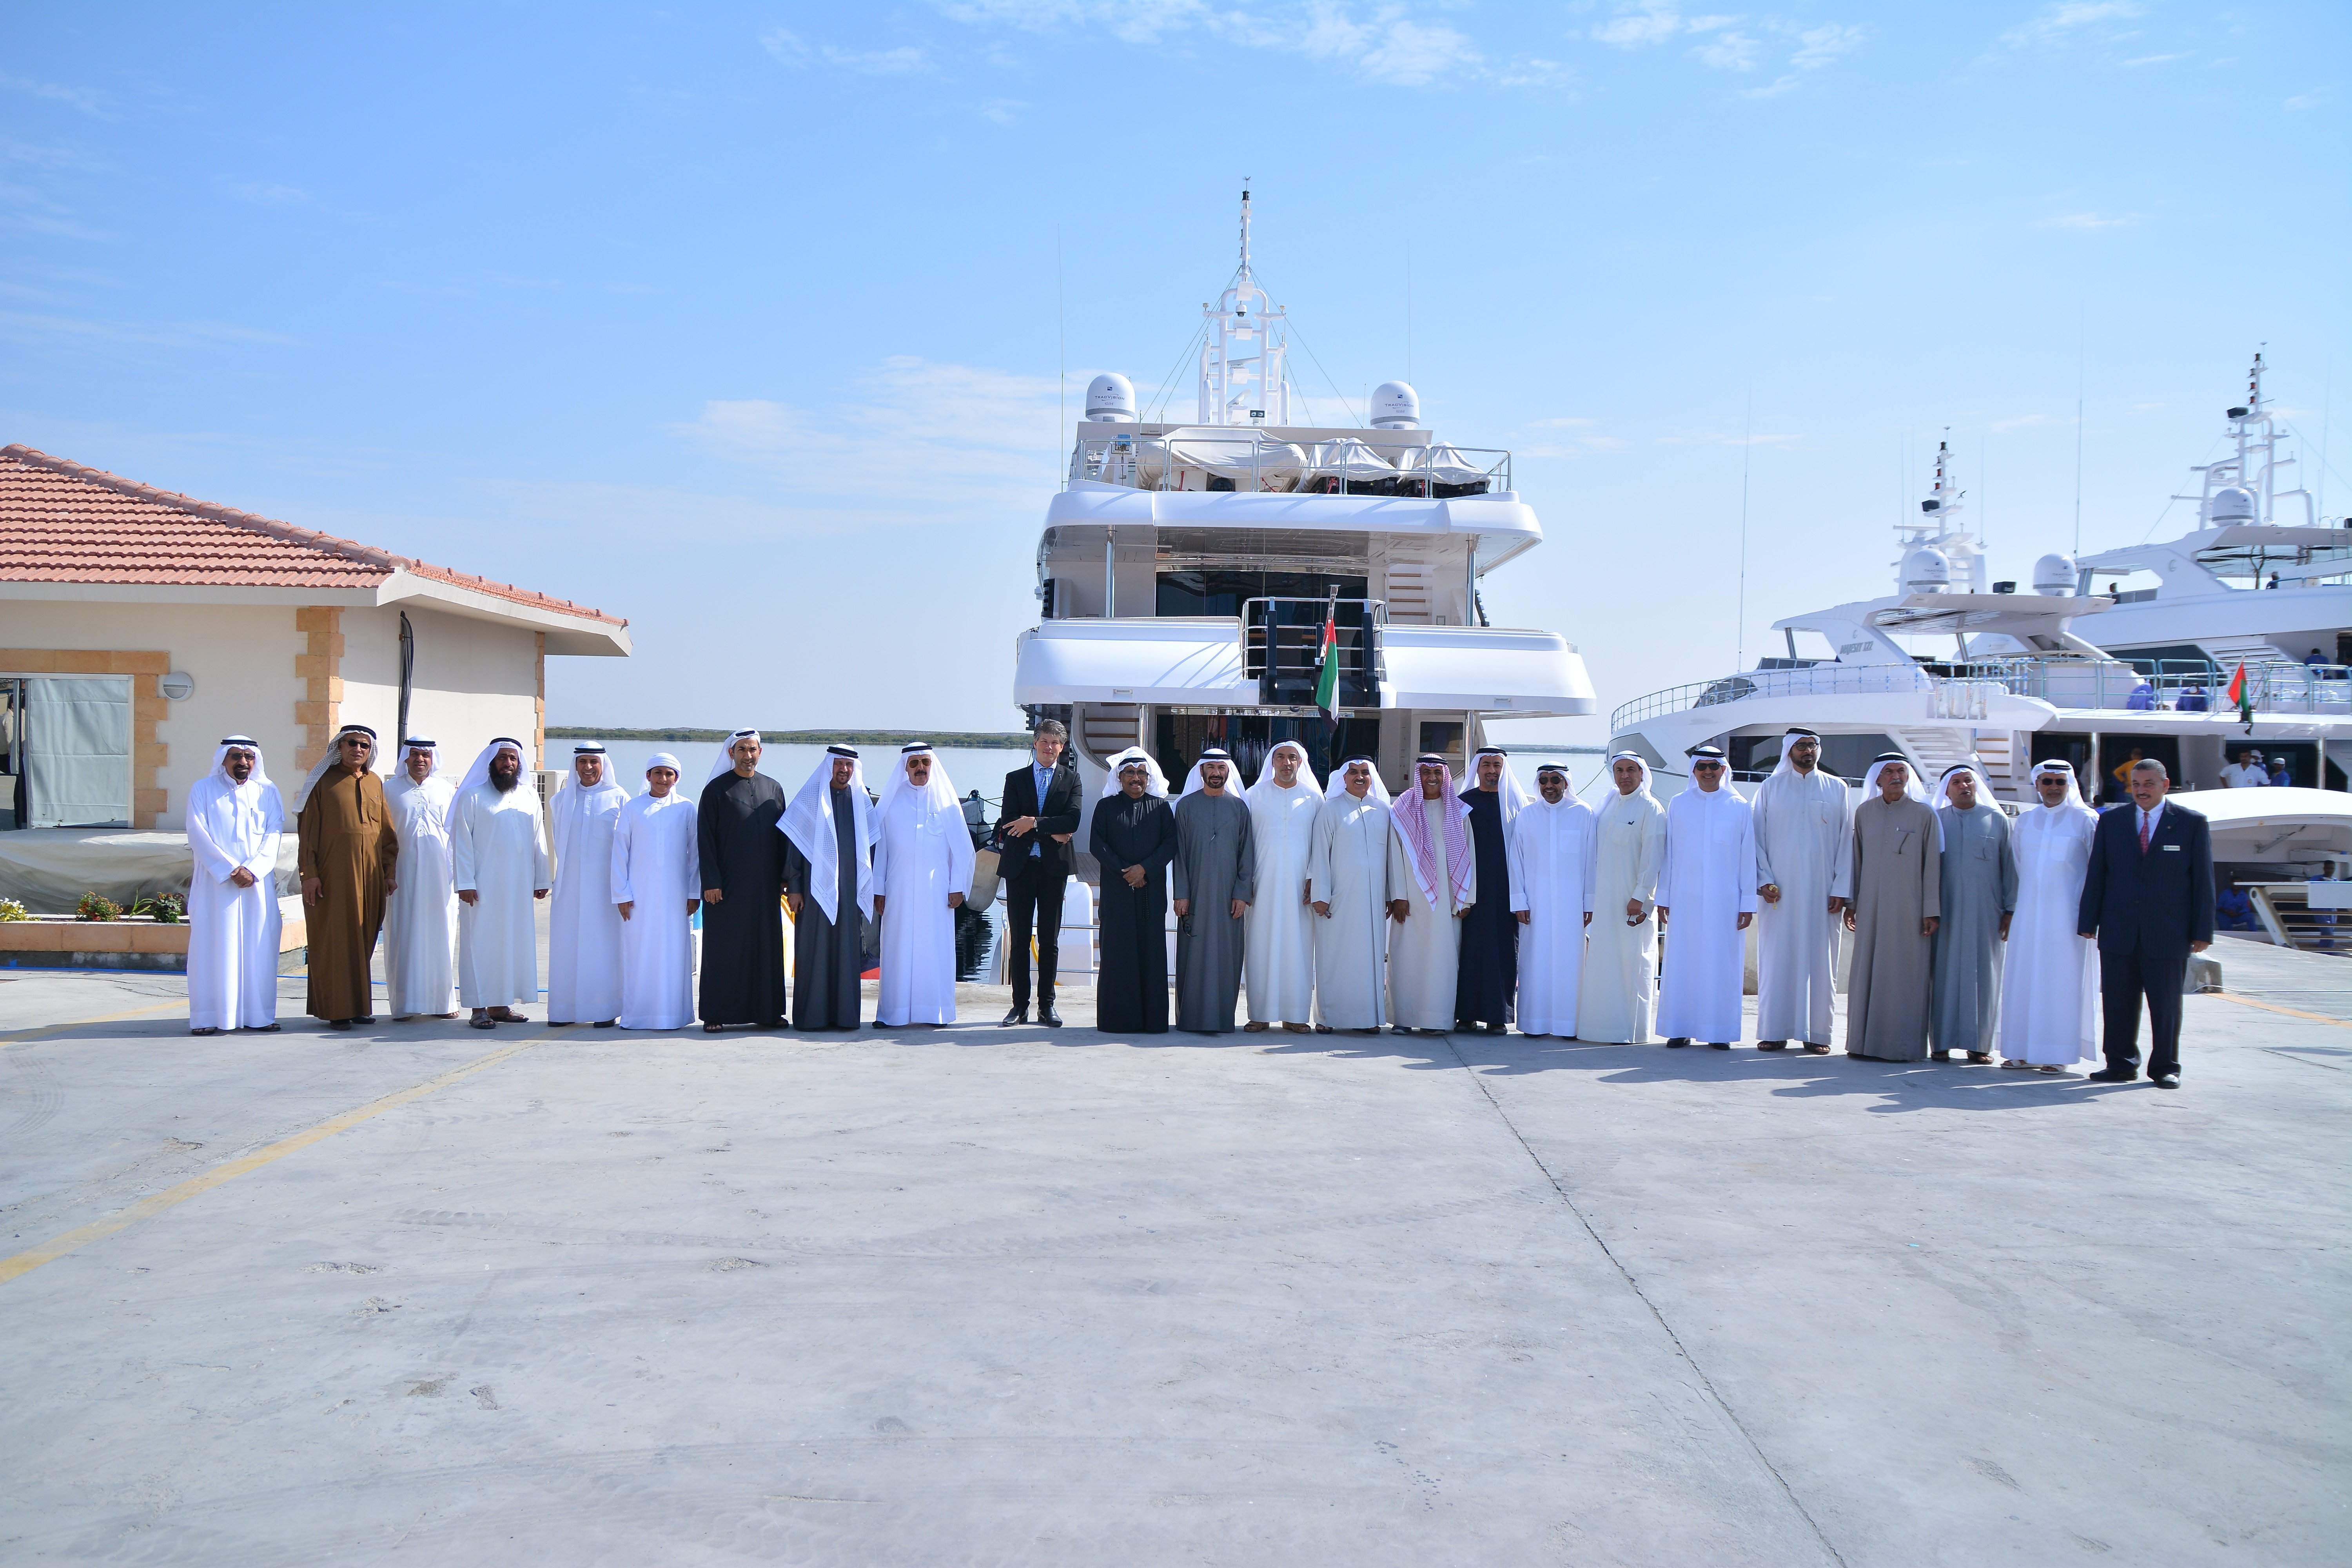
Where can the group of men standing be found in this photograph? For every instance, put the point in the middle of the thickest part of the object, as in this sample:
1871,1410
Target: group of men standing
1969,933
448,874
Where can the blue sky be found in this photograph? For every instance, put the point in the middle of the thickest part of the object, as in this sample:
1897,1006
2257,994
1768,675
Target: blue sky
744,321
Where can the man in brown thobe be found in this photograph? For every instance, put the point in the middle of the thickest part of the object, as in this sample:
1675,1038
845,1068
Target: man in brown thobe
1892,895
347,846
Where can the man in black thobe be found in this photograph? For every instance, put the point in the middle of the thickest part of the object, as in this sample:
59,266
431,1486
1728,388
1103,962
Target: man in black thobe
1487,982
829,883
2148,897
1134,839
743,892
1035,826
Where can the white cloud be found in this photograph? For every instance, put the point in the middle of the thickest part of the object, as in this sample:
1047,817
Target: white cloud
1817,47
2061,21
2089,220
1651,22
2152,61
1731,51
2304,100
791,50
1001,111
1732,43
89,100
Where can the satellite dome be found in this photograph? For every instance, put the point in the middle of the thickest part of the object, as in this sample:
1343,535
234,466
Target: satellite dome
2228,505
1111,398
2055,575
1395,406
1927,570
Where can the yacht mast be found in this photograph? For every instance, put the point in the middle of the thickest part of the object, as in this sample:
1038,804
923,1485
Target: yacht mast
1244,377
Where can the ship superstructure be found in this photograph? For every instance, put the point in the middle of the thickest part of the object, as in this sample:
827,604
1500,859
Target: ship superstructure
1186,573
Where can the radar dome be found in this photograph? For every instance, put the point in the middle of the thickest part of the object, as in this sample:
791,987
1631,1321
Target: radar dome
1111,398
2054,575
2228,505
1927,570
1395,406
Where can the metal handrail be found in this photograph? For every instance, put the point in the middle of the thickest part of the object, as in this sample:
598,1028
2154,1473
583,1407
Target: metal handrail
1961,691
1117,459
1256,628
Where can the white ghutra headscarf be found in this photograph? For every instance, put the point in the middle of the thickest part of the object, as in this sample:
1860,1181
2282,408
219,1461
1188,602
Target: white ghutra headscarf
808,823
241,743
1911,786
1266,789
333,757
939,794
1155,782
576,800
412,745
725,761
1337,785
1514,795
2054,768
480,773
1213,755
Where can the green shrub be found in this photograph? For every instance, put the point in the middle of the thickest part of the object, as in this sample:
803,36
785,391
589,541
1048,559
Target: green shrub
97,907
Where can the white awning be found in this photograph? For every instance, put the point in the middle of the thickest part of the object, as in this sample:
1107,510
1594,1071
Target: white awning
1486,668
1188,661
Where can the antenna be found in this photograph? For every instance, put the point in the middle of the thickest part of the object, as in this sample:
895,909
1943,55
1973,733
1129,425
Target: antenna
1061,384
2082,337
1408,307
1747,452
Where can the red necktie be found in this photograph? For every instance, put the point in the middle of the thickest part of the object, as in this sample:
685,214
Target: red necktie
2143,832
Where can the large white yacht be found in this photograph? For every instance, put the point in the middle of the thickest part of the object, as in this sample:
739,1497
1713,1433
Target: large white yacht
2243,583
1944,672
1186,571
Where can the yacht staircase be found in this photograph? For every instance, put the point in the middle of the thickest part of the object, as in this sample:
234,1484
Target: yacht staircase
1105,729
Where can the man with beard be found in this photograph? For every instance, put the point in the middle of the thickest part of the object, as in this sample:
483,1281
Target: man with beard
1134,839
743,890
1619,988
1976,897
1215,878
829,875
584,928
347,856
1803,839
1895,878
420,921
1278,935
1554,860
922,869
1433,883
235,819
1489,978
1347,879
1707,897
500,853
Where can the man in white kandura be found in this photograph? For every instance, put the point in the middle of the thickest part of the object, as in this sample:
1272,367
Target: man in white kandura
922,869
420,916
1804,838
656,886
1621,960
1347,879
1278,931
499,854
235,820
2049,985
1554,861
584,927
1432,882
1706,897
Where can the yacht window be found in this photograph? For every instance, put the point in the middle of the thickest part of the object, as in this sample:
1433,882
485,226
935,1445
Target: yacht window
1217,592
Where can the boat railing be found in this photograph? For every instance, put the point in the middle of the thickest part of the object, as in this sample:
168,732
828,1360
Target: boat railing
1963,692
1253,460
1282,645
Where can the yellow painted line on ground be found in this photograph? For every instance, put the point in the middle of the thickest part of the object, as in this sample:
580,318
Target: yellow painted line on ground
48,1031
2274,1007
74,1240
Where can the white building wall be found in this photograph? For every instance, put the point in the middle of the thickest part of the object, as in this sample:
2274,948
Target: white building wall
240,655
473,679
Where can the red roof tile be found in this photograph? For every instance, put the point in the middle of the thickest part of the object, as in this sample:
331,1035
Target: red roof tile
62,522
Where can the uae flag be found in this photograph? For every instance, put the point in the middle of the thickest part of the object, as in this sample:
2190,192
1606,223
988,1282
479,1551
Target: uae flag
2241,697
1327,684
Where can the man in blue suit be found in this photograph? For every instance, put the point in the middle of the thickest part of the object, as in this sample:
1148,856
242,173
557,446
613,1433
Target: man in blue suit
2148,897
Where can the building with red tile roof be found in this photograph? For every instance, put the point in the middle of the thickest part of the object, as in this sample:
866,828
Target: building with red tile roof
137,617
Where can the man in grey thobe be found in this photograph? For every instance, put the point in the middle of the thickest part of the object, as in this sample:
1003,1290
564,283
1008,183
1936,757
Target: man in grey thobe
1978,893
1214,878
1894,872
829,888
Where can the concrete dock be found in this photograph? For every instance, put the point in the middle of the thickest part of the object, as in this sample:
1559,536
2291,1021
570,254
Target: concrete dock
421,1293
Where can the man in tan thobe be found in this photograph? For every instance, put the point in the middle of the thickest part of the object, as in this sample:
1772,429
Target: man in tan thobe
347,849
1893,889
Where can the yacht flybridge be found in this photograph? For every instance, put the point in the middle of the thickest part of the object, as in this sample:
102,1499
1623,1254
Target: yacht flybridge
1950,668
1186,572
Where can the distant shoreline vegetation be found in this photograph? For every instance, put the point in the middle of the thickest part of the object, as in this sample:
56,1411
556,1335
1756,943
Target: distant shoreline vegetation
1005,741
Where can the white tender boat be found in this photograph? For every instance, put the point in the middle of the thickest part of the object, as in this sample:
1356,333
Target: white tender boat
1186,572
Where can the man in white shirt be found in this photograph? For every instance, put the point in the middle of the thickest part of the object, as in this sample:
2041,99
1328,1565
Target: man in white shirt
2247,771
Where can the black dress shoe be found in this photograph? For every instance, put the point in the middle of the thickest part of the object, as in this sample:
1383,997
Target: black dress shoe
2166,1080
1678,1042
714,1028
338,1023
608,1023
1772,1045
1047,1016
1717,1046
369,1018
1019,1014
2111,1074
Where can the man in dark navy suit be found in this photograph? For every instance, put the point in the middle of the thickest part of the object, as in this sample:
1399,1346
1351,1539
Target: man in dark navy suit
1035,825
2148,896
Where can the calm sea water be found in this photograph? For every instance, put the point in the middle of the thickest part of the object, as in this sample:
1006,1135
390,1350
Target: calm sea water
968,769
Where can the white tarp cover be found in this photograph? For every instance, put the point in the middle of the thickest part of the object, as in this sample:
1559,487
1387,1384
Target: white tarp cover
1444,465
47,869
1348,459
77,751
1230,452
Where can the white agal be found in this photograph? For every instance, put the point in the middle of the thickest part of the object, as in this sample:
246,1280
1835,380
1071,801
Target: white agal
1395,406
2054,575
1111,399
